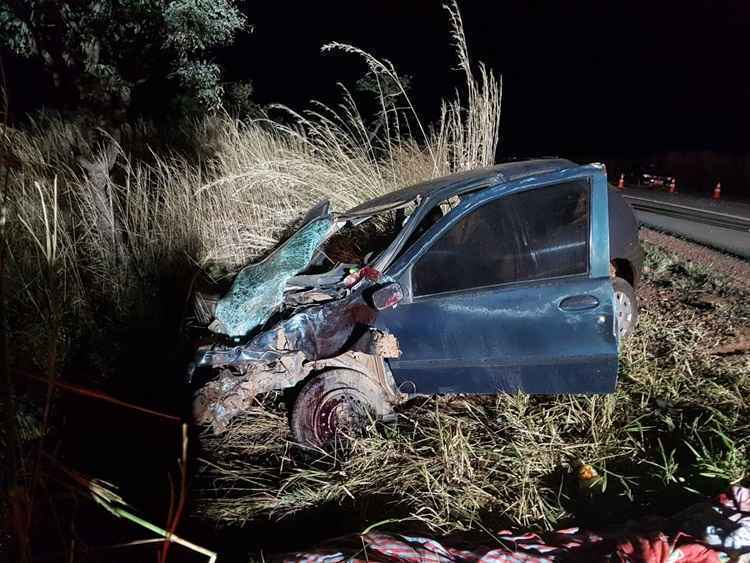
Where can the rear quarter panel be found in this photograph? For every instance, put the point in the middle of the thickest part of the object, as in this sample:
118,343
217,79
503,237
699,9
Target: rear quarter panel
623,233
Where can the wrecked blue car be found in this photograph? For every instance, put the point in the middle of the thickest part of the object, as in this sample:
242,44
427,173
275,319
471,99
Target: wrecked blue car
518,277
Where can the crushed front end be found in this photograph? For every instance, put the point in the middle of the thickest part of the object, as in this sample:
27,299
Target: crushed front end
275,328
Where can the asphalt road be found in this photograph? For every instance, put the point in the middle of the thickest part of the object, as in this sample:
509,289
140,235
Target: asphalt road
722,225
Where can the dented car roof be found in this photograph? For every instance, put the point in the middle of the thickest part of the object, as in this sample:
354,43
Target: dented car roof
458,183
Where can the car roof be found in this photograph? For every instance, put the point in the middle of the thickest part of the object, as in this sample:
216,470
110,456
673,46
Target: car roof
461,182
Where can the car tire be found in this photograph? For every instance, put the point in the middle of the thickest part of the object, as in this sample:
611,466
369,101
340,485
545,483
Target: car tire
333,402
625,308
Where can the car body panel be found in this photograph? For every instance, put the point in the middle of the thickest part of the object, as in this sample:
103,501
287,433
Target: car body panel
508,339
511,337
623,235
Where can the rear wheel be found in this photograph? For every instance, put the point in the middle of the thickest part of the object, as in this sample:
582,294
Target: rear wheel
338,401
626,308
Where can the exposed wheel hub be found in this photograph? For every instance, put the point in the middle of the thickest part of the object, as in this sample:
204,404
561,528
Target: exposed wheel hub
340,411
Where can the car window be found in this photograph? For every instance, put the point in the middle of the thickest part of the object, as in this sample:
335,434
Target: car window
435,214
536,234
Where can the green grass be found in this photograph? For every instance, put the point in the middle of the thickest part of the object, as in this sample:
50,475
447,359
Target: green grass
675,430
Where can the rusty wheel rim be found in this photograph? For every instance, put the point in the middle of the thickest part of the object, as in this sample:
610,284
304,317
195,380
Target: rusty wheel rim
342,411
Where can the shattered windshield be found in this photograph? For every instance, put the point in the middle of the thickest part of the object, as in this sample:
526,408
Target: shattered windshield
259,288
365,243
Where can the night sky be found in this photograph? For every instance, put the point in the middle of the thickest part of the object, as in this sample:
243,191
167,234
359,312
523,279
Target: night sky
580,78
588,80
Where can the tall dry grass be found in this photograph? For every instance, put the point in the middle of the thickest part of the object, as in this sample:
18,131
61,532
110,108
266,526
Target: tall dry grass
128,226
124,220
450,463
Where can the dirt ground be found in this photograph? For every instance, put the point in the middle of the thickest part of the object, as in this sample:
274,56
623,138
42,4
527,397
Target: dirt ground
734,268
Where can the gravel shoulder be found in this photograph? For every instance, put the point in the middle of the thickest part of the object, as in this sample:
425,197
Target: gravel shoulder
736,271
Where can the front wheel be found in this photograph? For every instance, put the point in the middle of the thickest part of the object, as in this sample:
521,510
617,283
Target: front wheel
336,401
626,308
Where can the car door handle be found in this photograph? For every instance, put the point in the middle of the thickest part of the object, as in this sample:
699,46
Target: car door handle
579,303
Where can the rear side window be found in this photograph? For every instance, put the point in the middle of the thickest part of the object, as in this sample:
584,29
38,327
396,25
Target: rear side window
533,235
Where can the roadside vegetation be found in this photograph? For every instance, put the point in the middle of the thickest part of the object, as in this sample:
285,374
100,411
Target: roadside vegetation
104,234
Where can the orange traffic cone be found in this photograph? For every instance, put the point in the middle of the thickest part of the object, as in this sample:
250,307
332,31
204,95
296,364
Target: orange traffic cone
621,182
717,191
673,186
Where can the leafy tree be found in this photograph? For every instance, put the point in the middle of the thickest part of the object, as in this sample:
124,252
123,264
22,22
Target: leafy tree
239,100
99,51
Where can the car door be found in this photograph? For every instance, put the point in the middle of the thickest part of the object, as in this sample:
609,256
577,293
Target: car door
511,292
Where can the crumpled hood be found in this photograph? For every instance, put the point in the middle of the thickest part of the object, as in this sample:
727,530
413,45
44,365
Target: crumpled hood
258,289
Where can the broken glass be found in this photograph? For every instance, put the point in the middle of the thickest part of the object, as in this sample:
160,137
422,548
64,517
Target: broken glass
258,289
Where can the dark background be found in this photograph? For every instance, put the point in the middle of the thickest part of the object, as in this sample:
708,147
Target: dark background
629,82
633,83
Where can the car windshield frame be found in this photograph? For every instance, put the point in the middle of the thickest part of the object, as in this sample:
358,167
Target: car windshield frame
397,246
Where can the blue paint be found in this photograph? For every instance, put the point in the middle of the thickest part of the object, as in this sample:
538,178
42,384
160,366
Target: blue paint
508,337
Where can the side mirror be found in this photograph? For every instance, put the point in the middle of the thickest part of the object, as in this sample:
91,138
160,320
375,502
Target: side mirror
387,296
